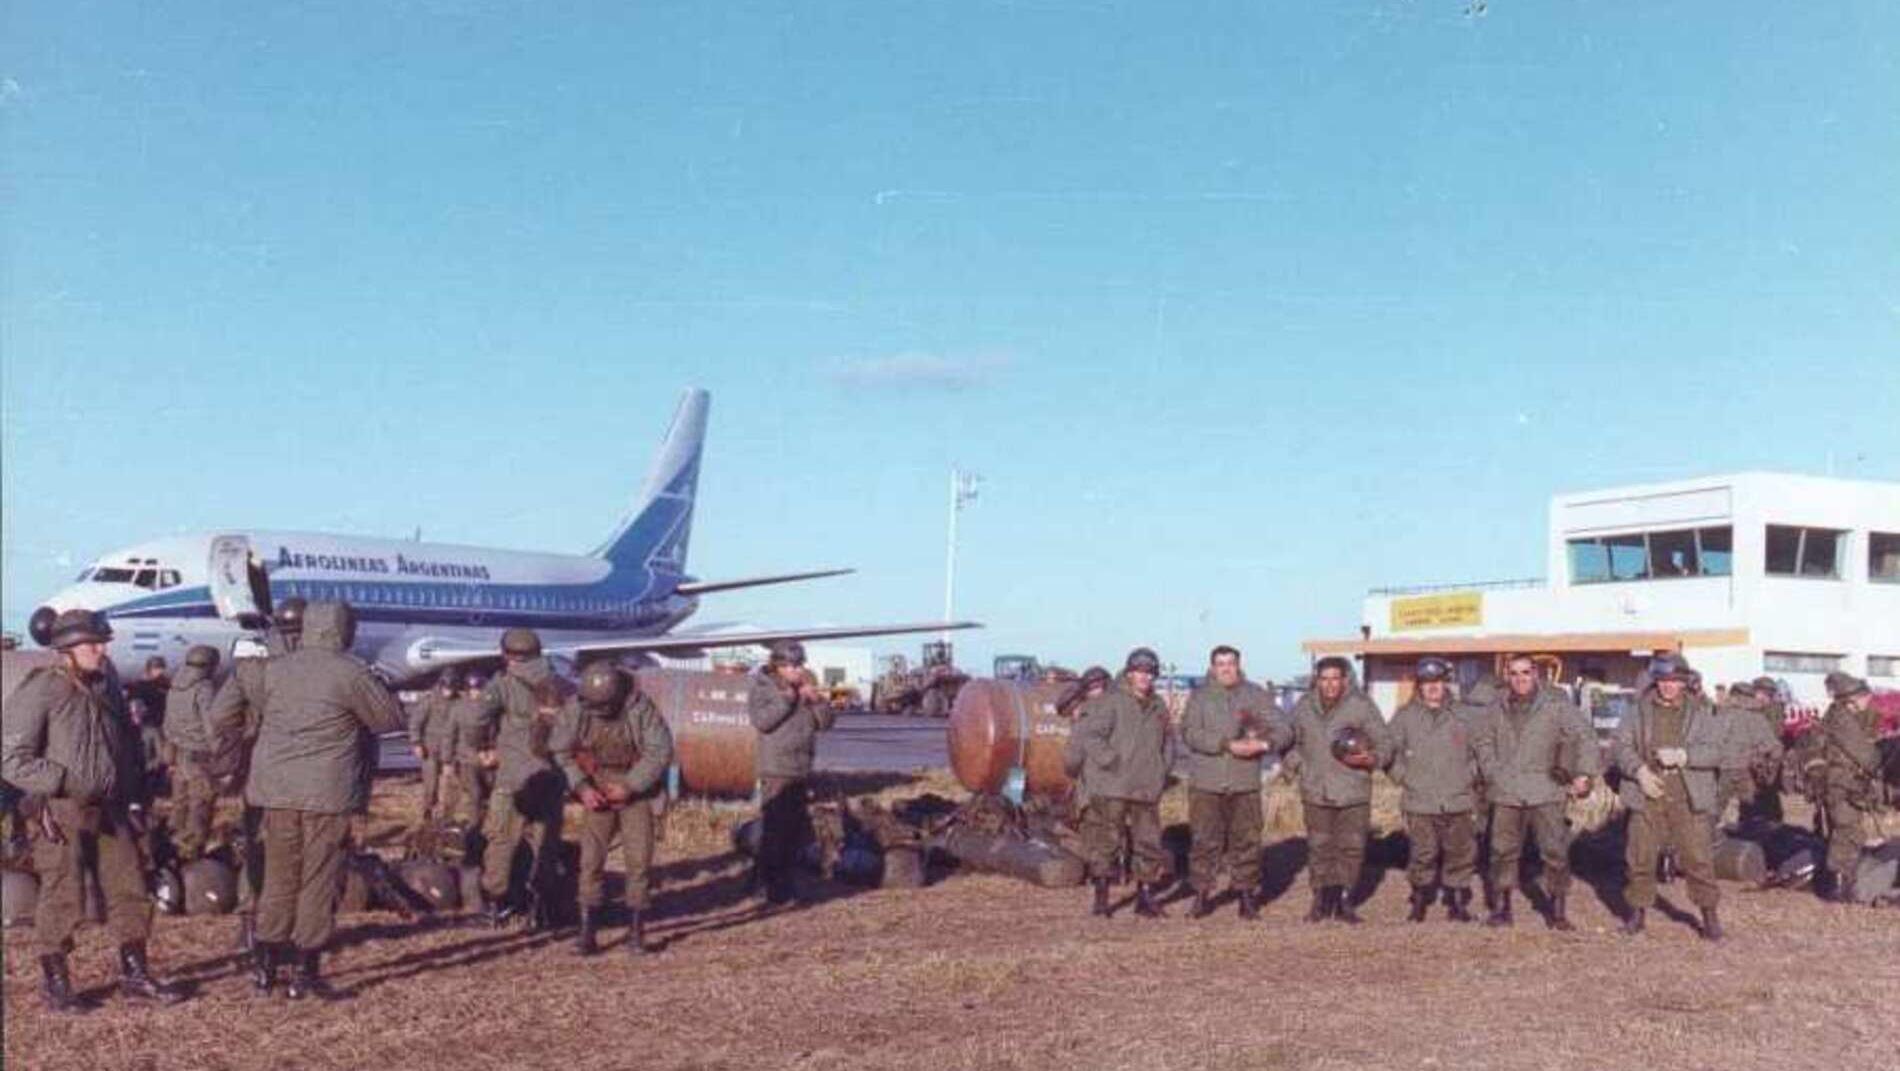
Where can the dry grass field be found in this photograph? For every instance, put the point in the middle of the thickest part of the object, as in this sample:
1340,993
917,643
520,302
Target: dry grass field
985,972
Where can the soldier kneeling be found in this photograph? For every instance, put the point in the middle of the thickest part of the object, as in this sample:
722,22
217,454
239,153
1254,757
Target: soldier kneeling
614,747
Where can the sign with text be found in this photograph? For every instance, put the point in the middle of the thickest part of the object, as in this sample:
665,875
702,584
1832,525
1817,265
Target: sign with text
1458,609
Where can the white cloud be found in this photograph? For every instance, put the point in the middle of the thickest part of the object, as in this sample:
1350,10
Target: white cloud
917,370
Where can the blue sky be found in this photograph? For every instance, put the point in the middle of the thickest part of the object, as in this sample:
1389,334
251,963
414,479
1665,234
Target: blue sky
1239,309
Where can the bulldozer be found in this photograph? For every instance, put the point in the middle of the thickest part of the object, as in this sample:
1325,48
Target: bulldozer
927,690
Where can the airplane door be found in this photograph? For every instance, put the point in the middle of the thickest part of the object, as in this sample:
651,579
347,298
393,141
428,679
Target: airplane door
239,588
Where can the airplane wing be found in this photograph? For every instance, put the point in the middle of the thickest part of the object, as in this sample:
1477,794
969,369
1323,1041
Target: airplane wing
707,587
679,644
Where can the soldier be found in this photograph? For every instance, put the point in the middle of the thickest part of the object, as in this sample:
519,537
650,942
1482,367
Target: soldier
1751,759
1849,733
614,748
1533,746
306,779
240,699
69,744
194,792
1074,705
525,806
432,739
1435,762
145,700
1124,737
788,710
1229,724
476,780
1340,738
1669,748
1474,706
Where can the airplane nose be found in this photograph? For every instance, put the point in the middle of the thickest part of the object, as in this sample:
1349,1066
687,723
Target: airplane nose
40,625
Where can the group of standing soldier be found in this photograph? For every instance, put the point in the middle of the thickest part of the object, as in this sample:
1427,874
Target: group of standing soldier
1499,766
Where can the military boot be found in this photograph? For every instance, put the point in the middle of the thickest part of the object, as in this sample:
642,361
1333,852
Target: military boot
497,912
1559,915
306,978
1711,925
1249,904
56,986
1634,924
1342,907
1203,905
135,977
585,943
1501,914
636,934
1421,900
1458,905
1322,908
263,967
1145,904
1099,908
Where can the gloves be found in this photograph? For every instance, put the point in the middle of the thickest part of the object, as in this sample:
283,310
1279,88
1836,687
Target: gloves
1673,758
1650,782
591,798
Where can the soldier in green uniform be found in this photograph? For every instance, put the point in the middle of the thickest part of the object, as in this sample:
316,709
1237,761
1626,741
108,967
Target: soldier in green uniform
194,792
1229,724
614,748
1340,737
1850,735
1751,758
518,708
1533,747
1669,749
432,739
1124,741
306,778
472,745
788,710
69,744
1435,762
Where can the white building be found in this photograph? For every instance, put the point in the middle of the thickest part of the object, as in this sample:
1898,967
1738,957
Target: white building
1749,574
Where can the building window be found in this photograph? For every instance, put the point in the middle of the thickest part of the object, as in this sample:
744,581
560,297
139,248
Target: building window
1799,662
1883,557
1811,552
1652,555
1883,665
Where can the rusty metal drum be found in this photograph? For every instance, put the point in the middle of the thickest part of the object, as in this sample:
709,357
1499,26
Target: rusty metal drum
1004,731
715,749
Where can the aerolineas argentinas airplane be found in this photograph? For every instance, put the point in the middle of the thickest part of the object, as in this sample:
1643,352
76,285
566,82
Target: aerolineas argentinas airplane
423,606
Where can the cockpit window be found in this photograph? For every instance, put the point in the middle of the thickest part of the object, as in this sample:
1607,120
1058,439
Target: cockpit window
146,578
168,578
83,574
110,575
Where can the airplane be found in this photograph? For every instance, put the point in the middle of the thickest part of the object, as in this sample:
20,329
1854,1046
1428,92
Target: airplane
421,607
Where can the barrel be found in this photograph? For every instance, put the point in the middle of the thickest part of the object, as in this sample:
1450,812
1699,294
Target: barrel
1000,727
715,748
1740,860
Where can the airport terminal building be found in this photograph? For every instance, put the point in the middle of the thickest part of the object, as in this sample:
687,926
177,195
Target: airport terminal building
1747,574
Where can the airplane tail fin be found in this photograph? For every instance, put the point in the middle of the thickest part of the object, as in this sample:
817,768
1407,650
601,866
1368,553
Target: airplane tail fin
655,533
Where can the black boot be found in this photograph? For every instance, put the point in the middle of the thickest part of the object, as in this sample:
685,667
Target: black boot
1342,907
1145,905
1458,905
497,913
1711,925
56,986
1501,914
1633,925
1559,919
1099,908
1249,905
1421,900
306,978
585,944
1203,905
1322,908
263,967
636,934
135,977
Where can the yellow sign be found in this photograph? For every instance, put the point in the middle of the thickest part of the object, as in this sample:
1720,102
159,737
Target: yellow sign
1456,610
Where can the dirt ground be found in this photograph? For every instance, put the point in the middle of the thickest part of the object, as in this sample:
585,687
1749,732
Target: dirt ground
986,972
